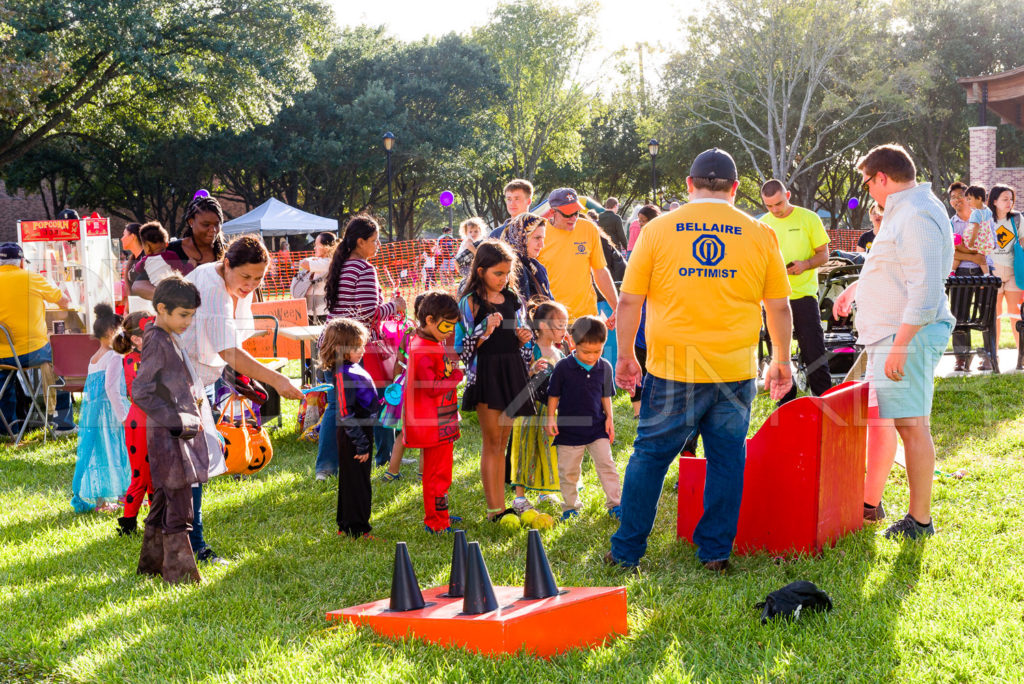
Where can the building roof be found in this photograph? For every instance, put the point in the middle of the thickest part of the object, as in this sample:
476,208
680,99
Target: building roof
1003,93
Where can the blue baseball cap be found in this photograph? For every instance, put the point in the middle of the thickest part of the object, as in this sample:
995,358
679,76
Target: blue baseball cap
714,163
11,250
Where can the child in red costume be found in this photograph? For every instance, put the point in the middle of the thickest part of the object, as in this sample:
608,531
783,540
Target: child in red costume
129,345
430,412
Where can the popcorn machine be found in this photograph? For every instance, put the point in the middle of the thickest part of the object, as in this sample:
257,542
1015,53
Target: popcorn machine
77,255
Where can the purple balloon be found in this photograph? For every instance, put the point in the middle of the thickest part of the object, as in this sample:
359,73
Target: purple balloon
446,198
200,193
853,203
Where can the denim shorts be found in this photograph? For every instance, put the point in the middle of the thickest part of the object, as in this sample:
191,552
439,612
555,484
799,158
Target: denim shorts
911,397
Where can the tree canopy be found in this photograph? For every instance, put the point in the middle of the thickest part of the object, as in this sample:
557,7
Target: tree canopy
178,66
131,106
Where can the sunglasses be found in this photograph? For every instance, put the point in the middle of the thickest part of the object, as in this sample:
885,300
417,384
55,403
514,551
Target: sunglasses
864,187
574,214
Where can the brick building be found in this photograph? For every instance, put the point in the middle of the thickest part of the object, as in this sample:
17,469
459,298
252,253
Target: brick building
1003,94
18,207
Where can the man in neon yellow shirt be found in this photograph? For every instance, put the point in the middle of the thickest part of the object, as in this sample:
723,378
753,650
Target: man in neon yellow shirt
704,271
804,244
572,254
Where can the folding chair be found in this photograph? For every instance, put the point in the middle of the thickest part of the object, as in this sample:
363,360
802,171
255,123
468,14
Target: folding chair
271,409
71,354
30,382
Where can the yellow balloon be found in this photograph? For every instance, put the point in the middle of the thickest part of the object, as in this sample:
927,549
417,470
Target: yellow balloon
528,515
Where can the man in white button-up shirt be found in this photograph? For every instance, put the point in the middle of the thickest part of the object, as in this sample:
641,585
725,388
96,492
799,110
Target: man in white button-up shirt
903,319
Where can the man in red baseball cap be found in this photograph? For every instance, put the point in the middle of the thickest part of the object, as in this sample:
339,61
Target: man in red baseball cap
572,254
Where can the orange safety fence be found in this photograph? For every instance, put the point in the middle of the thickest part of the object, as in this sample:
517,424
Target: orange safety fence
844,239
408,267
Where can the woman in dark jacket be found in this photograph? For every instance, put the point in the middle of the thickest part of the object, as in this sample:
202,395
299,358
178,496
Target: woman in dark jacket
525,234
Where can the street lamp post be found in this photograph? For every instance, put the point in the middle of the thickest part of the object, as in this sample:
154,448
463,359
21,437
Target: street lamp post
389,142
652,147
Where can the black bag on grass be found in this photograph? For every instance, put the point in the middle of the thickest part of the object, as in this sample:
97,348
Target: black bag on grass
793,598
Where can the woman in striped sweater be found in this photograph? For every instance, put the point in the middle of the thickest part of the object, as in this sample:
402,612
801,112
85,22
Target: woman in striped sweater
353,291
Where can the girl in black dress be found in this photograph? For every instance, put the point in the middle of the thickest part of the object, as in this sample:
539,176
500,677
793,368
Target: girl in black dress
495,343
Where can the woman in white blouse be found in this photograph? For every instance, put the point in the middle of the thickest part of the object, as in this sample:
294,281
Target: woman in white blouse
222,323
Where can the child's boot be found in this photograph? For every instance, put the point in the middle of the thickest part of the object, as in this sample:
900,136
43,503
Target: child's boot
151,559
179,563
126,526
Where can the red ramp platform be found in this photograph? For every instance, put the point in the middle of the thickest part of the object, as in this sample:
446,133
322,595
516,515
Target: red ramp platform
804,479
579,617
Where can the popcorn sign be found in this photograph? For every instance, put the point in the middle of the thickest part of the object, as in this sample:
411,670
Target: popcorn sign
46,231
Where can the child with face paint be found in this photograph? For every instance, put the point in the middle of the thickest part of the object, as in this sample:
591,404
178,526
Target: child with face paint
580,416
430,415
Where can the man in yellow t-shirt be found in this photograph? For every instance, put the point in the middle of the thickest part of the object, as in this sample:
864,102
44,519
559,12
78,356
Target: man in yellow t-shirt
705,270
804,244
23,313
572,253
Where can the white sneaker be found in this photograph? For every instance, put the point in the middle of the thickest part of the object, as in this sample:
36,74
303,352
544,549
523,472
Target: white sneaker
65,432
320,477
521,504
549,498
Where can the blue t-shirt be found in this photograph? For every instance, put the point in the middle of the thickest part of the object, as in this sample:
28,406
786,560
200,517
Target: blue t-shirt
580,414
641,331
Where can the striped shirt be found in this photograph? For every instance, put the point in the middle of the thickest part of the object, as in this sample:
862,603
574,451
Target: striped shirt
219,324
360,297
904,275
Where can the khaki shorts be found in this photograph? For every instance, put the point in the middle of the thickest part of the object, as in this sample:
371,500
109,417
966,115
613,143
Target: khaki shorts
1006,274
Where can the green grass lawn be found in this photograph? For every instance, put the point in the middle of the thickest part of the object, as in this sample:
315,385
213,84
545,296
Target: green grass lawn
949,609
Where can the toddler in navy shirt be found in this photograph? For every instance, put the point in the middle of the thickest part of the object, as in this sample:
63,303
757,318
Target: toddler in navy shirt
580,393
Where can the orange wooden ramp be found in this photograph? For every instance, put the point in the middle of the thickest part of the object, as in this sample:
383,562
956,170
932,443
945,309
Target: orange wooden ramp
579,617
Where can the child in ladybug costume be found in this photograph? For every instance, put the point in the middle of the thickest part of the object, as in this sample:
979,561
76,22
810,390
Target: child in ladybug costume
430,413
129,345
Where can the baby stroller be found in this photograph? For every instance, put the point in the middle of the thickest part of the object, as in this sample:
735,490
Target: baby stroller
840,335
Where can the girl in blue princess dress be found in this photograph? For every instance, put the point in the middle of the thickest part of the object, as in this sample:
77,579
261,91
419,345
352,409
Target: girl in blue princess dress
101,471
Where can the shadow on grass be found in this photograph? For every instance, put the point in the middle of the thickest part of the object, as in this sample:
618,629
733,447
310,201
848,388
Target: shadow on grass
265,612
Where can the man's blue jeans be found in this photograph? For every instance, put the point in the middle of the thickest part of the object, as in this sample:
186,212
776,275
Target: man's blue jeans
670,412
9,401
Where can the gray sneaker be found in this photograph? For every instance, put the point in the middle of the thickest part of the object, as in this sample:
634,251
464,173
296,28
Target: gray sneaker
908,528
521,504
